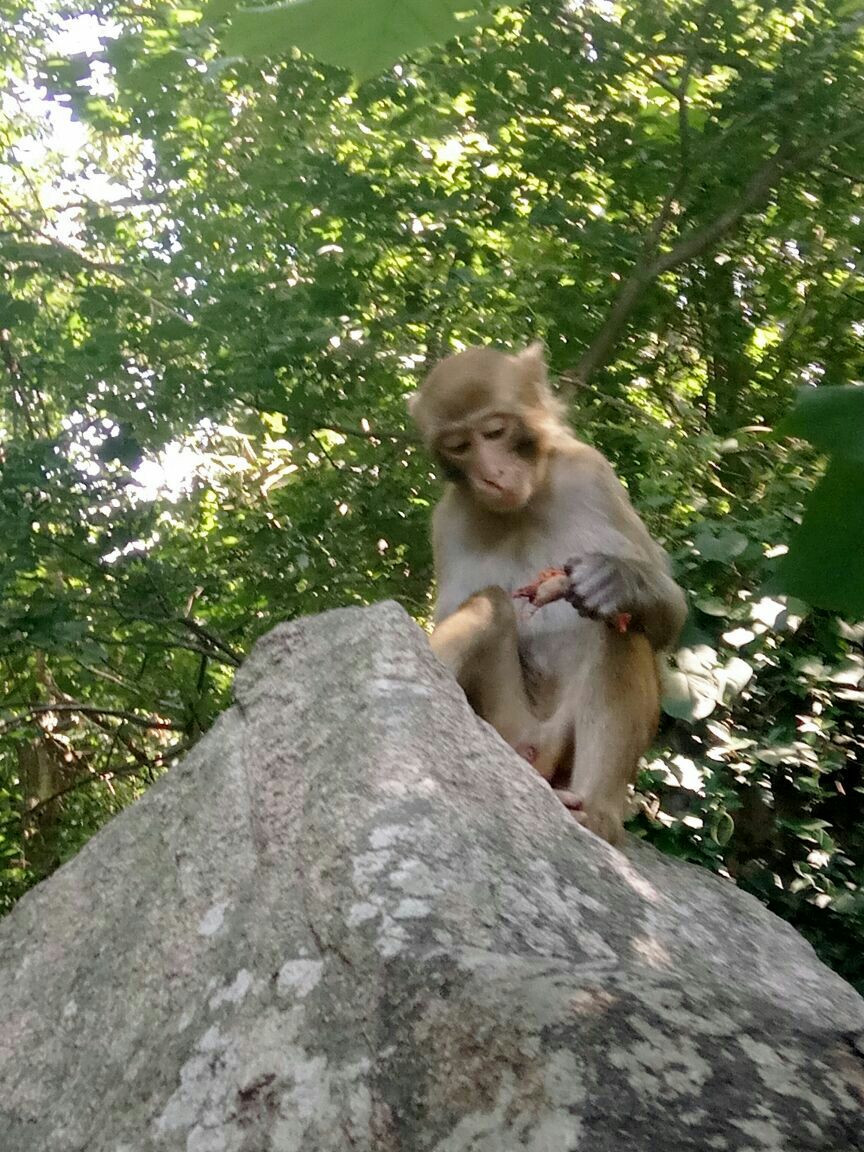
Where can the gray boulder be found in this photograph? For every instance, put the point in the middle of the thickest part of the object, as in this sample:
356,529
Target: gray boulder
352,919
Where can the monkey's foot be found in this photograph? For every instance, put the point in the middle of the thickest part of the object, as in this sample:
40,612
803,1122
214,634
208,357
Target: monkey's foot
601,821
571,801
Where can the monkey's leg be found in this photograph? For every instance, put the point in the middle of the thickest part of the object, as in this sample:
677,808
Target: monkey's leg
615,704
479,644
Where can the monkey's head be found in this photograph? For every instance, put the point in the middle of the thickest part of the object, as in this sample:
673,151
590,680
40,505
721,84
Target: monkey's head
489,419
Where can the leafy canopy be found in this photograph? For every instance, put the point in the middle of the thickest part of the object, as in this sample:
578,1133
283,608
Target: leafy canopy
364,36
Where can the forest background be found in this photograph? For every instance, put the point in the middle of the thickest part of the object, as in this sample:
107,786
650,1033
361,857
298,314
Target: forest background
223,271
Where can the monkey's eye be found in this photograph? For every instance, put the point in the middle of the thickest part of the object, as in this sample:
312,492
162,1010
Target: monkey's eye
459,448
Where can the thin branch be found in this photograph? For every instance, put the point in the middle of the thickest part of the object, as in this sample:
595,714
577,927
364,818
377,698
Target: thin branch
87,710
601,397
109,755
852,177
695,242
782,352
115,270
209,637
145,642
14,370
690,60
93,565
326,452
119,737
110,205
101,777
635,286
105,776
363,434
111,676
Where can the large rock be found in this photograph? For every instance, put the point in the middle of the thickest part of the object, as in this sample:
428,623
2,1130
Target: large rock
354,920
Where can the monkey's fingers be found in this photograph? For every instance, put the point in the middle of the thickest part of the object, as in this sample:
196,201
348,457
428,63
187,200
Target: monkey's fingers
533,590
598,608
551,584
547,574
554,588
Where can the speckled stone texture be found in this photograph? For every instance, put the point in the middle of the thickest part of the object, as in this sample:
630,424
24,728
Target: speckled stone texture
353,920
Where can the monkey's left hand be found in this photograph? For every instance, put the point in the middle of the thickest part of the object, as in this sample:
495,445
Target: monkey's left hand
610,589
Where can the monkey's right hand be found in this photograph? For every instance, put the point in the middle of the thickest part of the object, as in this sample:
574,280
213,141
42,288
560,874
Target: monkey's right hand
549,585
606,588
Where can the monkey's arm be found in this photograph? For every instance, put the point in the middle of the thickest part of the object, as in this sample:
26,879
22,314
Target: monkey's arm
456,565
620,570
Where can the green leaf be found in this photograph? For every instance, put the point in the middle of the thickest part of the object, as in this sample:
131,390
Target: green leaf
364,36
825,562
688,696
712,606
830,418
722,828
736,675
722,546
16,312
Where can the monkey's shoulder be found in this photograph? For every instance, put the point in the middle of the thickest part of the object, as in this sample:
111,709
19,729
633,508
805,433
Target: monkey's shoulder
448,507
575,463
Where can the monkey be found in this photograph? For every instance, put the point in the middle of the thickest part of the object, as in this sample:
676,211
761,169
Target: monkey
573,692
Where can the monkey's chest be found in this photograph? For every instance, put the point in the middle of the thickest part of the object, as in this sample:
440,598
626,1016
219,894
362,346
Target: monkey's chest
552,643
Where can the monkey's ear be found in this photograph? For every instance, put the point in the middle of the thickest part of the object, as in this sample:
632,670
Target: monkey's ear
417,412
533,363
532,375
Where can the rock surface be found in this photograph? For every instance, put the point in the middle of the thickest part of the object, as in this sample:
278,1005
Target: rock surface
352,919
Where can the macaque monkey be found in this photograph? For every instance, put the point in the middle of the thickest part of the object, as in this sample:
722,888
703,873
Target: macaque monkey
574,692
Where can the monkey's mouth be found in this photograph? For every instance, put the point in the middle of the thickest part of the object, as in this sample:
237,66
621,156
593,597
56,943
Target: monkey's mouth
500,496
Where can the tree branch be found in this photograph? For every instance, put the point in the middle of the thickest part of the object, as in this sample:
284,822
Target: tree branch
208,637
14,369
115,270
105,776
87,710
696,242
326,453
363,434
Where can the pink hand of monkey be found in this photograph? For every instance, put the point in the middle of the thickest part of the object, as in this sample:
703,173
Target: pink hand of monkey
550,584
558,584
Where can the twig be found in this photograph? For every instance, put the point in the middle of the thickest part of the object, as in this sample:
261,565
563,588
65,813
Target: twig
115,270
87,710
363,434
326,452
14,370
208,637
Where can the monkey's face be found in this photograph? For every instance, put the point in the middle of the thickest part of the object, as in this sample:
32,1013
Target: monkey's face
488,417
496,457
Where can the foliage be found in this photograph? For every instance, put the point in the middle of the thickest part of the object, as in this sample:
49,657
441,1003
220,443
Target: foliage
221,277
825,564
364,36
